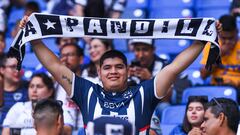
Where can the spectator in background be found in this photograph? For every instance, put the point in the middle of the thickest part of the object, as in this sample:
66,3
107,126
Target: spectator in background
2,44
71,55
146,63
61,41
100,8
221,117
31,7
228,72
14,91
235,8
97,48
2,56
19,118
144,67
48,117
193,117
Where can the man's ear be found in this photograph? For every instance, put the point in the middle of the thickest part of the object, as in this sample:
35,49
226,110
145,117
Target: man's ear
221,118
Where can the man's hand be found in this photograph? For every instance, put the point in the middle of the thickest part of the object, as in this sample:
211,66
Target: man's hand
141,73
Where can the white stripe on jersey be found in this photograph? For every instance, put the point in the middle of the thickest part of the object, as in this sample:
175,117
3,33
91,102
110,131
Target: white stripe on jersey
142,96
131,112
89,95
98,110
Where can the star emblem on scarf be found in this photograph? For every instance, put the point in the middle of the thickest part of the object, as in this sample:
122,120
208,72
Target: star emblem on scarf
49,24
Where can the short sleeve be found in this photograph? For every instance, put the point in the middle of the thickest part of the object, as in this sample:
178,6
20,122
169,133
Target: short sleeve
13,114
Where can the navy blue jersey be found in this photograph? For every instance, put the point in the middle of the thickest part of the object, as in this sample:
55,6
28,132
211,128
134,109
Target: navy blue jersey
136,104
10,98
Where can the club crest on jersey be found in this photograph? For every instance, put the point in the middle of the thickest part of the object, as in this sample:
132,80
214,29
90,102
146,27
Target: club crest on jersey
17,96
127,94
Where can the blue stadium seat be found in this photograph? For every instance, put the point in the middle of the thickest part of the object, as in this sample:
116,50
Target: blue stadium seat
167,128
168,4
131,13
120,44
210,91
171,46
137,3
215,13
130,56
51,44
30,61
173,115
213,4
193,76
171,13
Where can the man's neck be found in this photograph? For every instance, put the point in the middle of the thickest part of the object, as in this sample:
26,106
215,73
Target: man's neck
47,132
10,86
225,131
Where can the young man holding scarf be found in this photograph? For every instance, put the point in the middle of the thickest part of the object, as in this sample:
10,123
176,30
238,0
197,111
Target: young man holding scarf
115,98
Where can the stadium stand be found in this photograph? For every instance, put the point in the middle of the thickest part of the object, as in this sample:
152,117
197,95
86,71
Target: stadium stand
173,114
210,91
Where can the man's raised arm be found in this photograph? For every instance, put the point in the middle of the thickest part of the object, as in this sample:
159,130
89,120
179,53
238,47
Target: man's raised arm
49,60
166,77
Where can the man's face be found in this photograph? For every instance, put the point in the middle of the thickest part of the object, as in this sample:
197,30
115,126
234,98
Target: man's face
144,53
9,71
113,74
70,58
228,40
211,124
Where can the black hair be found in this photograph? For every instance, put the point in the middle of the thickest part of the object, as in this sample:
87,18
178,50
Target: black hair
79,50
33,6
58,39
228,23
201,99
113,54
46,112
229,108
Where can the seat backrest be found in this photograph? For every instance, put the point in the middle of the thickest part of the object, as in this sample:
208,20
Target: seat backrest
210,91
173,115
167,128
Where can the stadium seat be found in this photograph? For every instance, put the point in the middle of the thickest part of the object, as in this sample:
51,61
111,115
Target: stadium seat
167,4
30,61
51,44
213,4
137,3
167,128
120,44
215,13
130,56
171,13
132,13
170,46
193,76
173,115
210,91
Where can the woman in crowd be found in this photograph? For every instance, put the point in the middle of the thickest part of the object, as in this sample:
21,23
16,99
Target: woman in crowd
19,118
193,117
97,48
